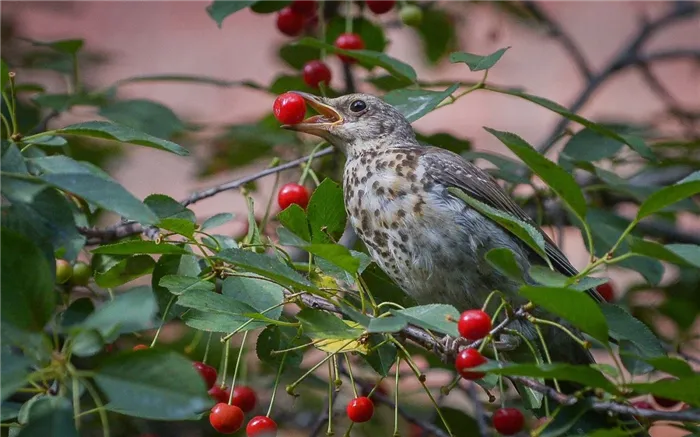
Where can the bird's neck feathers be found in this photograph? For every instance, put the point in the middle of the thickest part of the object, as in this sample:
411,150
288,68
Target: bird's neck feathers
362,146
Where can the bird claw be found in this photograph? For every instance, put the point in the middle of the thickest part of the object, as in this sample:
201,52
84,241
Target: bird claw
507,343
449,347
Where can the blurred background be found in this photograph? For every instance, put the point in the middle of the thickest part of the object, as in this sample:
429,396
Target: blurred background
219,119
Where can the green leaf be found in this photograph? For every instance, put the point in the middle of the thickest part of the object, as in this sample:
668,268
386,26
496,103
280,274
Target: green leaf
136,385
260,294
672,366
387,324
216,220
50,416
337,255
326,212
4,74
588,145
268,6
576,307
124,134
294,219
178,284
585,375
504,261
265,266
559,180
87,343
635,143
623,326
181,265
387,82
382,355
552,278
690,253
218,10
48,140
131,311
111,271
27,283
19,186
144,115
376,59
14,369
667,196
63,102
524,231
686,389
67,46
434,317
166,207
135,247
179,226
682,254
77,312
276,338
9,411
415,103
297,56
104,193
319,324
437,33
253,237
478,62
222,313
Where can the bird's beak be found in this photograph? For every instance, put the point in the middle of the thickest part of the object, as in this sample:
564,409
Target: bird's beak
318,124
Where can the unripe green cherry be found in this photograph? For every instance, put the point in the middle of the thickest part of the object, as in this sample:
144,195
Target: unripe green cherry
81,274
411,15
64,271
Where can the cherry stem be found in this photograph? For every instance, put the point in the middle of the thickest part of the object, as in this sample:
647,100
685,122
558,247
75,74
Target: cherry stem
348,16
238,363
582,343
196,338
162,321
352,378
226,352
500,378
331,384
292,386
546,352
396,395
206,350
268,207
307,165
277,382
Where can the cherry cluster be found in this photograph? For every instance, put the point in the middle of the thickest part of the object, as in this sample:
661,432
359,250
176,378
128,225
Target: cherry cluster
77,274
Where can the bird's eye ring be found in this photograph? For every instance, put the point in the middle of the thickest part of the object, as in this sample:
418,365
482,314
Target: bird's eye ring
358,106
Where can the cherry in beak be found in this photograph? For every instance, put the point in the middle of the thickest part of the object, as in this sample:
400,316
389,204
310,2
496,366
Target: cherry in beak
317,124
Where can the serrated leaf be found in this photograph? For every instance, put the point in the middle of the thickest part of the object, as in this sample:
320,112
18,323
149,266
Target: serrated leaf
336,254
130,311
28,296
386,324
326,212
503,260
294,219
415,103
48,140
179,265
178,284
266,266
574,306
686,389
667,196
377,59
260,294
382,356
111,271
672,366
585,375
559,180
524,231
319,324
552,278
166,207
124,134
589,145
682,254
136,385
435,317
147,116
623,326
218,10
333,346
138,247
179,226
478,62
216,220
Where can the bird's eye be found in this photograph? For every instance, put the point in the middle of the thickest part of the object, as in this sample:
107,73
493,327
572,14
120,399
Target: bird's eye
358,105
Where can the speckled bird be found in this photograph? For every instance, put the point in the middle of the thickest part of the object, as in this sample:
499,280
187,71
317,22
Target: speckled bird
430,242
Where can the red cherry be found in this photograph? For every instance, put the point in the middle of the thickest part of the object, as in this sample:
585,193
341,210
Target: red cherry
360,409
642,405
606,291
292,193
474,324
349,41
303,7
289,108
508,421
290,22
208,373
380,6
139,347
219,394
315,72
244,398
467,359
226,418
261,426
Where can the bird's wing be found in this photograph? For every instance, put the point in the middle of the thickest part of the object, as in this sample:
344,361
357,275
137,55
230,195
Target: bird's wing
451,170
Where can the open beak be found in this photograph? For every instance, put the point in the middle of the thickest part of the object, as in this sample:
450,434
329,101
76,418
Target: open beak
318,124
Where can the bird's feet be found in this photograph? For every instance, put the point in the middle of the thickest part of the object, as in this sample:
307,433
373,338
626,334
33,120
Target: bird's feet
449,347
507,342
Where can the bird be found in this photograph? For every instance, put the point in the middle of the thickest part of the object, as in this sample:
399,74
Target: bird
426,239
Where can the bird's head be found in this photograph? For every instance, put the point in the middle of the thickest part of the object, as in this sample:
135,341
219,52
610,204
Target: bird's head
355,122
